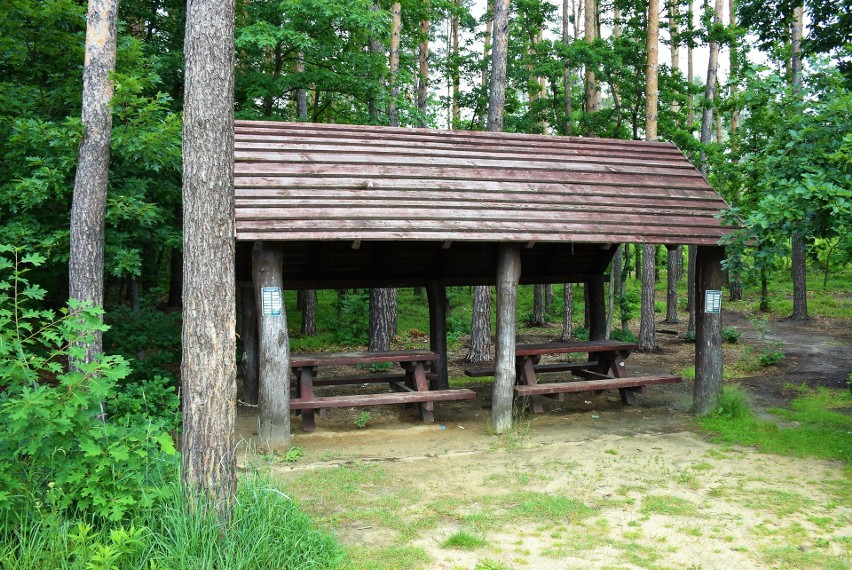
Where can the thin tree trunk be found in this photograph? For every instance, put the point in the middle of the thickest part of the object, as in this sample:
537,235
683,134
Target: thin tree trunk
309,312
480,326
375,50
486,49
690,73
647,326
301,92
454,67
548,297
208,370
710,92
538,306
566,67
708,339
764,291
423,76
589,95
671,289
799,260
690,289
568,314
393,79
86,256
651,89
617,287
508,273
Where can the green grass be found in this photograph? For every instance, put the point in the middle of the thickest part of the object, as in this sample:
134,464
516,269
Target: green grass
820,431
668,505
268,531
464,540
545,507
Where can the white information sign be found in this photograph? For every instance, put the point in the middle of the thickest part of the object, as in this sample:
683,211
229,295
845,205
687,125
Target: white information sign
271,297
712,302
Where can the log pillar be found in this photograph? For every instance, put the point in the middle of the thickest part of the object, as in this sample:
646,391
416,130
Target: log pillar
708,331
436,292
274,345
597,308
248,336
508,274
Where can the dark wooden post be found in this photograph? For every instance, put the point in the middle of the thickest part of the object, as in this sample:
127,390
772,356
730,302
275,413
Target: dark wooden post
508,273
248,334
274,390
436,292
597,308
708,331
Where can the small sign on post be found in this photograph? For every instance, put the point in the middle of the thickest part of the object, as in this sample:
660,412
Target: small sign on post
271,297
712,302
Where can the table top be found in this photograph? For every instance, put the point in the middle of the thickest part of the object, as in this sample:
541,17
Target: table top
342,358
535,349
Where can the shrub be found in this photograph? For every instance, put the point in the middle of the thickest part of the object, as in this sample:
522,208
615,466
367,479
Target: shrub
57,450
733,404
623,335
731,335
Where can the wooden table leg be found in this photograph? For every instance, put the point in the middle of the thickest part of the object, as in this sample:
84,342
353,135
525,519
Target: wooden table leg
422,385
306,391
615,362
528,377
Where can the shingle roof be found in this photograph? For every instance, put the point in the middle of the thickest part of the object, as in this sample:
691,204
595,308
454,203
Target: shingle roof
309,182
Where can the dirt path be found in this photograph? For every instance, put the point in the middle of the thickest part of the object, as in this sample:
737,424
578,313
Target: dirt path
590,483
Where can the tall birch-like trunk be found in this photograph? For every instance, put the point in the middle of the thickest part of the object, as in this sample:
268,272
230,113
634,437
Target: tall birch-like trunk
710,91
88,207
208,368
423,73
799,260
393,71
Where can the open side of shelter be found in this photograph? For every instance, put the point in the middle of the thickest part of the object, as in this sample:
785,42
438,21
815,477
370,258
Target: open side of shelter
338,206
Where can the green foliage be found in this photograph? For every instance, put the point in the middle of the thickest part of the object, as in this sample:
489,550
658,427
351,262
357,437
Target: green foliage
352,324
148,338
57,453
623,335
580,333
293,454
464,540
137,403
362,419
733,404
731,335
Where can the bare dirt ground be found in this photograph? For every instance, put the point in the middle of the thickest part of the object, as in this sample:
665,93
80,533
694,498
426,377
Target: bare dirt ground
590,483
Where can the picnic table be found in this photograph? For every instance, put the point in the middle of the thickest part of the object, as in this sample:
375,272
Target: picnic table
411,387
604,369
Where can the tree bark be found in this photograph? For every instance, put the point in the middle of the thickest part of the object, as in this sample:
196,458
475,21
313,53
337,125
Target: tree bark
508,273
538,306
393,78
208,370
301,92
671,288
566,66
568,314
590,90
625,271
651,89
249,334
710,92
375,50
690,73
309,312
382,318
480,329
454,68
273,413
499,54
486,48
799,274
423,74
674,13
690,288
86,256
708,333
647,326
596,301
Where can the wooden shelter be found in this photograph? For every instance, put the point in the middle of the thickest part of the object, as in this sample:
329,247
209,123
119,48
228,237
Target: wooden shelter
366,206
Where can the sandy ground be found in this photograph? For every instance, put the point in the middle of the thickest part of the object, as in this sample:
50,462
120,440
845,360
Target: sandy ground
654,490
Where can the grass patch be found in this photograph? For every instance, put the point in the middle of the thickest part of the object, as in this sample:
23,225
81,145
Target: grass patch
389,558
821,430
779,503
668,505
464,540
544,507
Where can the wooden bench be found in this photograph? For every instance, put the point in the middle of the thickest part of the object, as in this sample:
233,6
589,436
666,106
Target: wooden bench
410,388
539,368
628,387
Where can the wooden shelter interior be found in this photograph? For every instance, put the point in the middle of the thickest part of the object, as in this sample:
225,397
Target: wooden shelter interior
365,206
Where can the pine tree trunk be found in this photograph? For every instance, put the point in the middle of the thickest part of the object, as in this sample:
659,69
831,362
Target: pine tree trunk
651,89
486,48
508,273
764,291
690,73
249,340
690,289
301,92
454,69
647,326
86,256
671,289
480,329
538,306
309,312
590,89
622,278
566,67
423,76
710,93
375,50
548,297
708,339
382,318
799,274
568,314
208,371
393,79
674,13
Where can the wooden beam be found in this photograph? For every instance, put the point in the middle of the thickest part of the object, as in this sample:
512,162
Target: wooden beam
436,292
274,389
248,336
597,308
508,274
708,331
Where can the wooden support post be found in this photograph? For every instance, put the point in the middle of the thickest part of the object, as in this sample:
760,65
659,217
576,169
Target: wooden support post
597,308
274,390
708,331
436,292
248,336
508,274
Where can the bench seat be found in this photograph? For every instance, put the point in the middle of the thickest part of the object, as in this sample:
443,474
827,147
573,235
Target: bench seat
406,397
593,385
539,368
